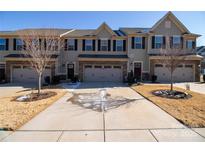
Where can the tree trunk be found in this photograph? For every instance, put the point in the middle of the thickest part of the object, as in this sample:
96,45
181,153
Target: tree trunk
171,81
39,84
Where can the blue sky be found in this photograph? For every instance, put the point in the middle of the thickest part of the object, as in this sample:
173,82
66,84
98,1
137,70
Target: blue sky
194,21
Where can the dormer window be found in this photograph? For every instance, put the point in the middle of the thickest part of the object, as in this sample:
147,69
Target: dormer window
104,45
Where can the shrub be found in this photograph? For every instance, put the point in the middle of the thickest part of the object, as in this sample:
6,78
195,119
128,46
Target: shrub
154,78
56,79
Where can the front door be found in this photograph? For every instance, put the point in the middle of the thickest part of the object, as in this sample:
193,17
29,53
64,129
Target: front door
70,71
138,71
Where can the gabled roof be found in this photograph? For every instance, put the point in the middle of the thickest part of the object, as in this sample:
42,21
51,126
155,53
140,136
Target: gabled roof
104,26
173,18
201,50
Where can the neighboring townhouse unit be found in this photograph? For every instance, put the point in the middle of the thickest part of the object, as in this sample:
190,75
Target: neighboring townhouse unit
104,54
201,52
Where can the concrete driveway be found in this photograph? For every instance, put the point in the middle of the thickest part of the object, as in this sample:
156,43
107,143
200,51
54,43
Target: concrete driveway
139,120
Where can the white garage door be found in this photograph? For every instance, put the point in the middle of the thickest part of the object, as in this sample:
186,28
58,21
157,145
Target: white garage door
27,74
183,73
93,73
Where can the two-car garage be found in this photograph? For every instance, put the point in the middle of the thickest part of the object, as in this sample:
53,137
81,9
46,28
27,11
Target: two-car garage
182,73
25,74
100,73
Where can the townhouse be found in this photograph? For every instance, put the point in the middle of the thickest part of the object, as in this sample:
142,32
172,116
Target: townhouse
104,54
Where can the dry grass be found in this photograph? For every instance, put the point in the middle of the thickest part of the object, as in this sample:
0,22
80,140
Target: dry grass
191,111
14,114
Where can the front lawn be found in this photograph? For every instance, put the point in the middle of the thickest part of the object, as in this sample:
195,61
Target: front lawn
14,114
190,112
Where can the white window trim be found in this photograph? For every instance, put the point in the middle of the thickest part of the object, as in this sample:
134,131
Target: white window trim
91,44
188,43
73,45
155,42
103,45
138,43
174,36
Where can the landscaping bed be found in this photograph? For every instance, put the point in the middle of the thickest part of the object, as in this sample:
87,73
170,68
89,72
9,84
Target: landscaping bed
14,114
190,112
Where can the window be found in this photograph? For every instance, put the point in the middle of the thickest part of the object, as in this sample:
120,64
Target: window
158,42
158,65
118,67
19,44
98,66
138,42
180,66
176,41
88,45
2,44
107,66
189,44
119,45
188,65
71,44
88,66
104,45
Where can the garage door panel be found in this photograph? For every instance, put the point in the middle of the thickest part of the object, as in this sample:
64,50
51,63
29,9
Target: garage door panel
180,74
26,74
105,73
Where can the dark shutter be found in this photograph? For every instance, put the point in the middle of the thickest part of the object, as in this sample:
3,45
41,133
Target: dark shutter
182,42
143,42
193,44
76,44
164,42
7,44
133,42
99,44
186,44
45,44
109,45
83,47
171,42
114,45
40,43
124,45
93,45
14,44
153,42
65,44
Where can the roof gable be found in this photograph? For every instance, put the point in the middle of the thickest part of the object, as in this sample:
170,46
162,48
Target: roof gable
104,26
174,19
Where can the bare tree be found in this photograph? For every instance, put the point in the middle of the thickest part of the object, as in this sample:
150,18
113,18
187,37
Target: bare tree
40,47
172,55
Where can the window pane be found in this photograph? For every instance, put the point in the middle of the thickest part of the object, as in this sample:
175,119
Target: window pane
158,42
189,44
119,45
138,42
71,44
88,45
2,44
104,45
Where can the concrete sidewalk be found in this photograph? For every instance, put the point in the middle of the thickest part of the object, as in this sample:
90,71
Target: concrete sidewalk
137,121
196,87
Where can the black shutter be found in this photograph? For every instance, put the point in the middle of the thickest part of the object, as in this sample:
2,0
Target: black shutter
186,44
93,45
124,45
99,44
76,44
193,44
65,44
40,43
182,42
133,42
114,45
143,42
171,42
109,45
83,47
164,42
14,44
45,44
7,44
153,42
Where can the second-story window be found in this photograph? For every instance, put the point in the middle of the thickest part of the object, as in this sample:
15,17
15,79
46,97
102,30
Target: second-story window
119,45
158,42
71,44
2,44
190,44
138,42
88,45
104,45
176,42
19,44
